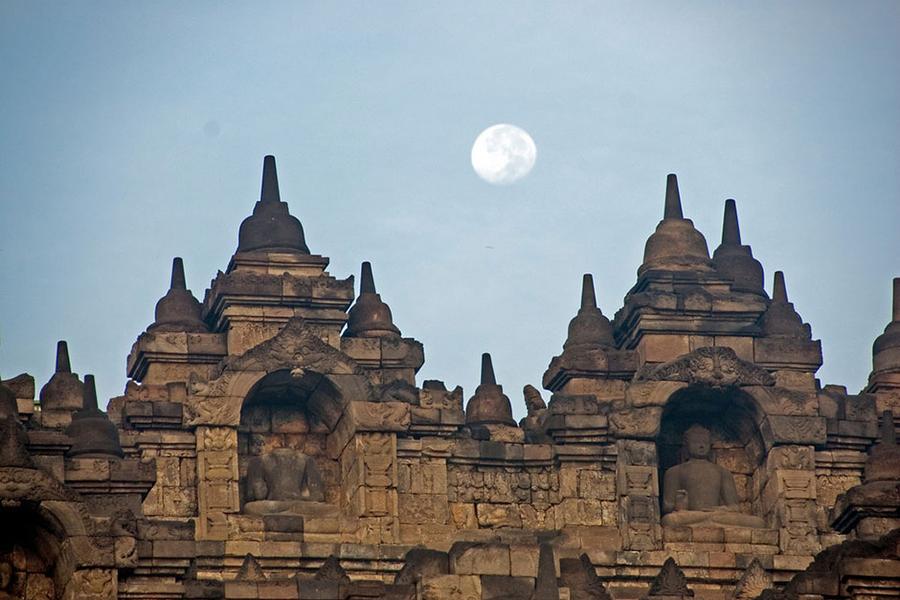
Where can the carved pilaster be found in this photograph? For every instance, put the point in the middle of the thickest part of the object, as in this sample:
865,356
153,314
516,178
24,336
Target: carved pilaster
369,469
637,488
217,479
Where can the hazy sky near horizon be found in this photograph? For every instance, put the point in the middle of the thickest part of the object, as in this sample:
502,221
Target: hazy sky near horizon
134,132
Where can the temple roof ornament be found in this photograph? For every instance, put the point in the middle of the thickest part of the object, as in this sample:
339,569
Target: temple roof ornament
271,226
718,367
92,433
178,310
370,316
489,404
64,390
735,260
675,245
781,318
589,327
886,349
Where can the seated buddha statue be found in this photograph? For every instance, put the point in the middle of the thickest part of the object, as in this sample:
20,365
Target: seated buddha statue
699,492
283,481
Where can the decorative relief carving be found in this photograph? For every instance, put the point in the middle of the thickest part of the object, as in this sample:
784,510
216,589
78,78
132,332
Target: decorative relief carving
753,582
216,438
295,345
717,367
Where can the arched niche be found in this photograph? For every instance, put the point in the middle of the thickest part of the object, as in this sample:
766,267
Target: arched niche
294,409
732,416
30,549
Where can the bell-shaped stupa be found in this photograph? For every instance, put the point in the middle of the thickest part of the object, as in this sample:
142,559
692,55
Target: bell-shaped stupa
271,227
370,316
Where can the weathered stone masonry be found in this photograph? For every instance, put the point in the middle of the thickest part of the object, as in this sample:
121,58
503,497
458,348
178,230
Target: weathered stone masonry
273,442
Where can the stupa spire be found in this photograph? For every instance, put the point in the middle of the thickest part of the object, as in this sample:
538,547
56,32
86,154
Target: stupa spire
269,192
588,299
731,233
62,357
178,310
487,370
589,328
779,289
895,313
673,199
489,405
178,281
676,245
370,316
91,431
734,260
366,279
271,227
89,397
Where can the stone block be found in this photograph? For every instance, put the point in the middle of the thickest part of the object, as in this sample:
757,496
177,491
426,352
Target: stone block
656,348
498,515
468,558
677,534
636,423
738,535
576,511
794,430
423,508
497,587
708,534
637,481
523,560
441,587
787,562
283,523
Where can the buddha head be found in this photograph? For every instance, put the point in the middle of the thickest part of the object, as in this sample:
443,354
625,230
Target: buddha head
697,442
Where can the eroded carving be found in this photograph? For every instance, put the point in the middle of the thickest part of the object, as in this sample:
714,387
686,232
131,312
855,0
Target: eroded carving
717,367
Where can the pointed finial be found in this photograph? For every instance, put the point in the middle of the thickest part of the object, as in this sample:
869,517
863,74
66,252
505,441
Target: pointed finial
888,434
588,299
366,280
90,393
270,191
62,357
178,282
731,232
896,307
673,199
779,290
487,370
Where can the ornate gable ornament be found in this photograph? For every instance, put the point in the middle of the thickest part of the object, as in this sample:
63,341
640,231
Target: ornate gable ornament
716,367
297,347
31,485
670,582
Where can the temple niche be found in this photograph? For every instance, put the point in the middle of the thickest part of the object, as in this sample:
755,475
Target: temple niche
29,549
703,426
281,444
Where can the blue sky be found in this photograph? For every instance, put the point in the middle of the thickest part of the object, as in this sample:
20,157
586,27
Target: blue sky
134,132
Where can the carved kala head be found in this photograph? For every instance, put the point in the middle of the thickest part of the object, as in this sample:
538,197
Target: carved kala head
697,441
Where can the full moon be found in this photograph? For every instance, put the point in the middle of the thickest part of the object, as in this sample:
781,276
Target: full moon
503,154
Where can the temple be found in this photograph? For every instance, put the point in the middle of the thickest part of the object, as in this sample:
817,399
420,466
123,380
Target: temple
273,441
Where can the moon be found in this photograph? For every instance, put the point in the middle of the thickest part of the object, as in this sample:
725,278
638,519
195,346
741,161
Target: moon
503,154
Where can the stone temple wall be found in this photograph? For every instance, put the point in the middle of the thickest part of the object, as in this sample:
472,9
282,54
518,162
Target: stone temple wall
273,442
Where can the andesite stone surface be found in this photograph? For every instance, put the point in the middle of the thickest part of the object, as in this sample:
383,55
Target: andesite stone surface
274,441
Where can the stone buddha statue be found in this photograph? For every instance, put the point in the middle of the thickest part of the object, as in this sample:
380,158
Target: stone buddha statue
700,492
283,481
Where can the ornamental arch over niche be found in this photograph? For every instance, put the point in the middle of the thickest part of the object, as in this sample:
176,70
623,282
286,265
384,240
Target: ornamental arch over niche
35,560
